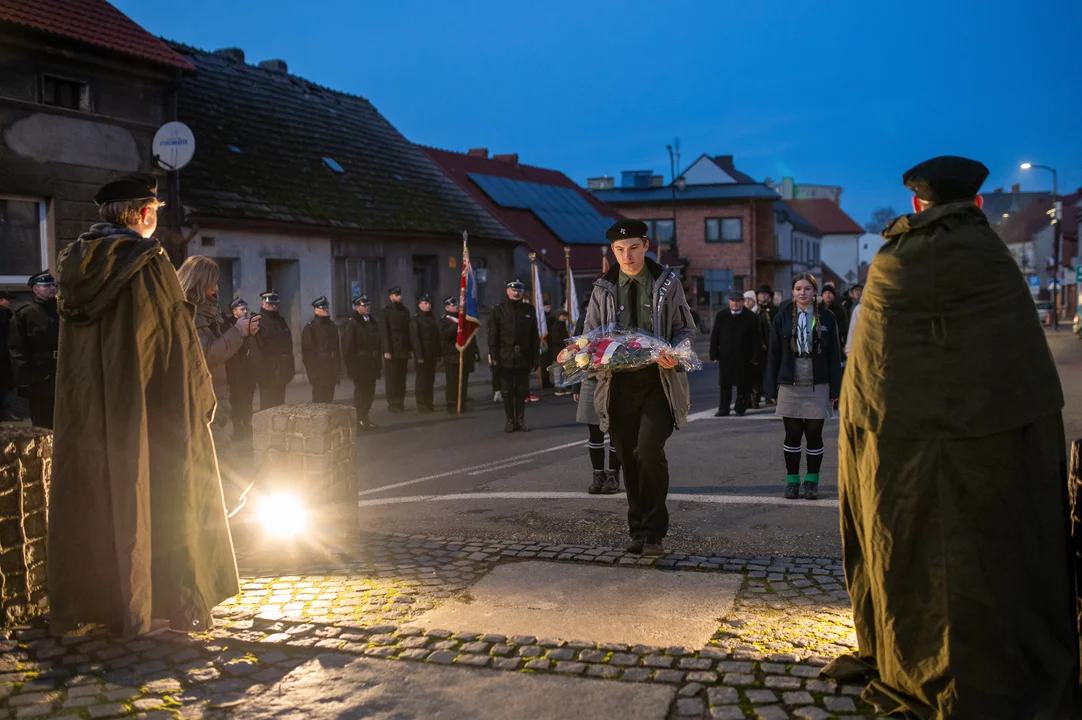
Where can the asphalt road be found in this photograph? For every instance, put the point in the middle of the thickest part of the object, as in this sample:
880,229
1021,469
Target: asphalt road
462,476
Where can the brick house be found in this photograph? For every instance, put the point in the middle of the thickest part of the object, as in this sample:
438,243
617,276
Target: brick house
724,225
311,191
544,207
83,89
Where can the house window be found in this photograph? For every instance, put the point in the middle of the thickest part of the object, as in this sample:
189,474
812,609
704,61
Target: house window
65,93
353,277
724,230
659,230
23,245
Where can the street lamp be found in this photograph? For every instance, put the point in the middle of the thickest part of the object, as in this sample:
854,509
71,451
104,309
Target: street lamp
1055,241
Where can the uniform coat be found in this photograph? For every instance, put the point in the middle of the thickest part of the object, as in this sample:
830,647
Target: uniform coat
735,344
469,357
394,326
272,352
137,525
5,359
362,350
513,341
321,352
32,342
425,337
952,483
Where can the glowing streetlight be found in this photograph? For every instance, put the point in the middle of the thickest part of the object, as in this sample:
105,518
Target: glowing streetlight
1027,166
1057,262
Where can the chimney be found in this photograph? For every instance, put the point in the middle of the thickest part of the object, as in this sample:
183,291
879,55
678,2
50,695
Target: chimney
478,153
275,66
1016,188
657,181
726,161
997,190
600,183
510,158
234,54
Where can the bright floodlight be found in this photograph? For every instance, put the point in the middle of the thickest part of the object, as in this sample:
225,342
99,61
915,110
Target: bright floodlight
1027,166
282,515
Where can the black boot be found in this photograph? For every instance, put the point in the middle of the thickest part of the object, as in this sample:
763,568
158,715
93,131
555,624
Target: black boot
510,427
612,482
520,424
598,482
635,548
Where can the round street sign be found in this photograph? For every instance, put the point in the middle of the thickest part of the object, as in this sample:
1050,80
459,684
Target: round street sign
174,145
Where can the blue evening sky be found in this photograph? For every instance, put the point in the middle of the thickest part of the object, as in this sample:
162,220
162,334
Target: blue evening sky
843,92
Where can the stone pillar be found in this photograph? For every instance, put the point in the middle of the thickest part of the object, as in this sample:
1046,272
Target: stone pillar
309,451
26,457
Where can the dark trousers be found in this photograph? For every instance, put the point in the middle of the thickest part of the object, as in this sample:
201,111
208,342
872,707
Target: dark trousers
515,387
424,383
240,400
323,393
41,411
757,383
640,422
394,373
270,397
743,398
364,391
450,374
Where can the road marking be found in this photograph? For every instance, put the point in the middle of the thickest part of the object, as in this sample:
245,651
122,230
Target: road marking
674,497
499,467
501,461
709,415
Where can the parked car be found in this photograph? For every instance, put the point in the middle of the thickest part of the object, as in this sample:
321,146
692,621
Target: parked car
1044,312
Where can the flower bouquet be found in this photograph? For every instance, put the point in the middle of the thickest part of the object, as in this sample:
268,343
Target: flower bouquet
614,350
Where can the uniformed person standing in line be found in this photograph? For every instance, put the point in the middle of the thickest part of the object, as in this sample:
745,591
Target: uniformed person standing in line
321,352
640,408
425,343
32,342
394,328
515,349
272,351
5,359
240,374
470,356
362,350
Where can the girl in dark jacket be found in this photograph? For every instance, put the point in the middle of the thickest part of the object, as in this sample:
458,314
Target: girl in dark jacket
804,373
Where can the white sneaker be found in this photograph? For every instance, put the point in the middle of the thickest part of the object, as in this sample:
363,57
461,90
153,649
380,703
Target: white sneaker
497,397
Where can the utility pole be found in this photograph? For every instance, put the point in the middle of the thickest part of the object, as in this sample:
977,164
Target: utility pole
1055,241
672,186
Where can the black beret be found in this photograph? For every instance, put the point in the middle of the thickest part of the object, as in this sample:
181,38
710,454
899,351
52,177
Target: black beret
321,303
270,297
130,187
626,230
945,179
362,301
237,303
395,291
42,278
516,285
450,300
766,289
424,298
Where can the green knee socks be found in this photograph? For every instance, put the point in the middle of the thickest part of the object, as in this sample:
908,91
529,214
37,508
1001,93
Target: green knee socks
812,478
792,479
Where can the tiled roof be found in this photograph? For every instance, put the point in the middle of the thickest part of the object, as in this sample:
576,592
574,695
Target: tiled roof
273,146
94,22
996,204
524,223
827,216
788,214
726,191
725,162
1022,226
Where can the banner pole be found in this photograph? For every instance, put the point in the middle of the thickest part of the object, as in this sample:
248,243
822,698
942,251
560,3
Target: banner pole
461,357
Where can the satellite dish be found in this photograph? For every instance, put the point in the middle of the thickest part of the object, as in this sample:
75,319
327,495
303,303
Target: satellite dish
174,145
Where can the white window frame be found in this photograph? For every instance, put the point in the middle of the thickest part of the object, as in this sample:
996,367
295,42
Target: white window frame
43,238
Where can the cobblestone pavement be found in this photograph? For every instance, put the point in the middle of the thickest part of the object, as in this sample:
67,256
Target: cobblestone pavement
791,617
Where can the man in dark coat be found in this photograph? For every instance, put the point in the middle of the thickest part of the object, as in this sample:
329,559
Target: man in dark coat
952,475
751,304
321,353
515,347
240,375
841,315
734,346
449,344
32,342
5,357
272,351
767,307
425,343
363,352
394,328
138,537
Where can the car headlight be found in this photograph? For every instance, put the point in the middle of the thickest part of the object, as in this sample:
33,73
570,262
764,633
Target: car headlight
282,515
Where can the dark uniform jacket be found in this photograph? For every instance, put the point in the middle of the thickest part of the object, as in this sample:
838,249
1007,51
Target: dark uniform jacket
449,344
272,351
32,341
240,369
320,351
735,343
362,347
394,328
5,357
512,336
557,336
425,337
841,317
781,360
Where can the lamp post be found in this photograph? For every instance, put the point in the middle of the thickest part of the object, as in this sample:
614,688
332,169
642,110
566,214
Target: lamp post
1055,241
672,186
